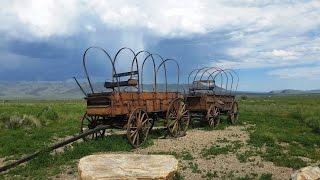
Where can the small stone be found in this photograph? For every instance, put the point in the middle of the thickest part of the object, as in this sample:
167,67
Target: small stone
306,173
127,166
251,159
260,164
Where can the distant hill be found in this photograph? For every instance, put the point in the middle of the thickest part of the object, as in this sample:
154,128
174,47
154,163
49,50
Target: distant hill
39,90
70,90
293,92
59,90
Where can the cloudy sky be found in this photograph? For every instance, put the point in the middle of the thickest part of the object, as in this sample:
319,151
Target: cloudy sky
273,44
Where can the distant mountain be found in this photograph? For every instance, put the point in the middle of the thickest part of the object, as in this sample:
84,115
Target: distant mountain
70,90
293,92
39,90
61,90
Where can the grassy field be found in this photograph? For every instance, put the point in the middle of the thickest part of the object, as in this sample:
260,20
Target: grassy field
287,128
286,131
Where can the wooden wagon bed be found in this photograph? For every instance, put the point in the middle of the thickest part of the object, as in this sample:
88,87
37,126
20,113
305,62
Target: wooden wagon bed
116,104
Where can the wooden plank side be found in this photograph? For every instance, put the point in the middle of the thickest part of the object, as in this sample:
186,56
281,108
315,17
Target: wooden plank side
125,102
101,111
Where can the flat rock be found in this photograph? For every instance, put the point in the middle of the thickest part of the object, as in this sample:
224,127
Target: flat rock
306,173
127,166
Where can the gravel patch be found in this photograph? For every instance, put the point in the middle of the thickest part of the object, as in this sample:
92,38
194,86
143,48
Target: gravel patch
222,165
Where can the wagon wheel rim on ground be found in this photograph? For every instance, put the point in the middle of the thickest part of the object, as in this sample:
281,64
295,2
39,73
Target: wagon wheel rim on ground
233,114
213,116
177,118
91,122
138,127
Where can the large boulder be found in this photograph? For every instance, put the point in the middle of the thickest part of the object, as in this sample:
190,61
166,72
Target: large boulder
306,173
127,166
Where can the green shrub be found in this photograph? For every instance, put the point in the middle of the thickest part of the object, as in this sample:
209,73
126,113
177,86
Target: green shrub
3,118
266,176
194,167
313,122
297,114
185,155
217,149
24,121
244,97
48,113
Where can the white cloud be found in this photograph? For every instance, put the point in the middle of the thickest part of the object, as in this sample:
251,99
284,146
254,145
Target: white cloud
284,54
272,50
41,18
90,28
265,34
239,51
297,73
46,18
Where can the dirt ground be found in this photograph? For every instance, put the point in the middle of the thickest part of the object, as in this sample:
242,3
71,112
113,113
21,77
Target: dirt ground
220,166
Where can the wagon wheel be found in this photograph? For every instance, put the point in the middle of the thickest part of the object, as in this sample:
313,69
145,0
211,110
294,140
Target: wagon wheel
91,122
177,118
213,116
138,127
233,113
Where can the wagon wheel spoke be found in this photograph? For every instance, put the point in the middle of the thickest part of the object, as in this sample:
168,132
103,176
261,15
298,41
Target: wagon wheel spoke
139,116
174,127
182,109
137,142
184,123
173,116
135,135
142,116
146,124
89,120
172,123
184,112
